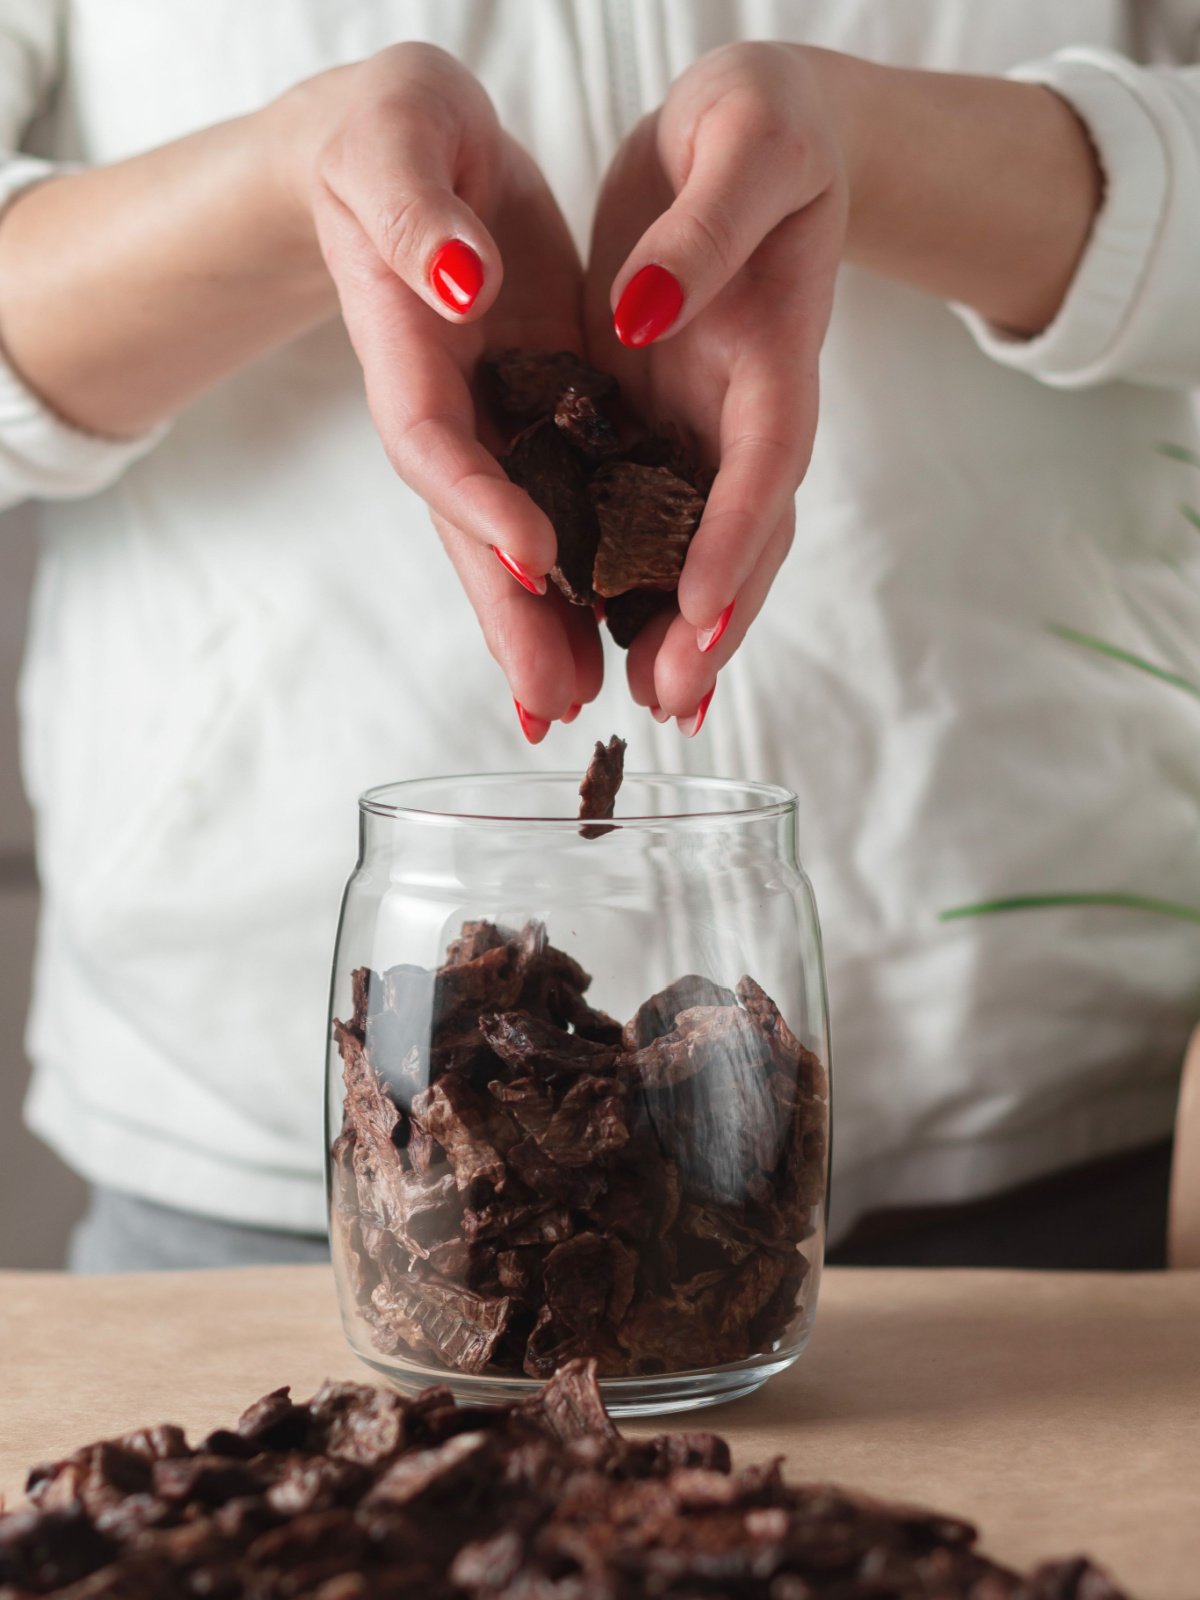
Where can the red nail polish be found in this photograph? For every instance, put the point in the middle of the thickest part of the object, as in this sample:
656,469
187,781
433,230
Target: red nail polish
534,728
701,713
572,712
456,272
707,637
526,579
648,306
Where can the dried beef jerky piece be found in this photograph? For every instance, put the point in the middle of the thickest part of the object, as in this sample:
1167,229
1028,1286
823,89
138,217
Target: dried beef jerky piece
524,384
601,783
1078,1579
552,1344
586,1021
442,1470
370,1111
789,1055
625,615
468,1128
95,1477
462,989
658,1015
475,939
542,461
366,992
306,1483
578,416
528,1102
516,1224
440,1319
210,1480
646,518
42,1551
666,447
591,1122
519,1272
703,1039
275,1422
726,1229
666,1452
528,1044
587,1280
570,1407
424,1211
577,1187
359,1423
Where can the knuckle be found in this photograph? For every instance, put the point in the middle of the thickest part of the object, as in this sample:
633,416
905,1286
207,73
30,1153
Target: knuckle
712,232
400,226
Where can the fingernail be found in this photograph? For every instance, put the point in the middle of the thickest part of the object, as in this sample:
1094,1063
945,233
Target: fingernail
526,579
534,728
692,728
572,712
648,306
659,714
456,272
707,637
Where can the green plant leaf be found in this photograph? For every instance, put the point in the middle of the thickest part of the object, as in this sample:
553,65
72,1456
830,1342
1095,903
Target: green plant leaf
1192,515
1180,452
1115,653
1038,902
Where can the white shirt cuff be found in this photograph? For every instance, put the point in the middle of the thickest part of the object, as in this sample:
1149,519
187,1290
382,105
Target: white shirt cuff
41,456
1109,324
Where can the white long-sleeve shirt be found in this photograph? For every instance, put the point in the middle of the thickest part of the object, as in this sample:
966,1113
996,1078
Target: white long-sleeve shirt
245,619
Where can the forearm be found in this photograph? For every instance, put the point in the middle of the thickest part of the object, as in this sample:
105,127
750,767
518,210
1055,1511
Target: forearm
979,190
127,290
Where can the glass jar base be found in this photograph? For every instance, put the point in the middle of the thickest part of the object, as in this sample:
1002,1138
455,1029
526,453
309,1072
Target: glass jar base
649,1396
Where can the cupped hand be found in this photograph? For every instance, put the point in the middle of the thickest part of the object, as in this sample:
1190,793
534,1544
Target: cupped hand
444,241
715,247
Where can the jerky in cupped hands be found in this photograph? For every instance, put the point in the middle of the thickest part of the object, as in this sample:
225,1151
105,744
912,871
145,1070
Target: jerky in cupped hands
363,1494
623,513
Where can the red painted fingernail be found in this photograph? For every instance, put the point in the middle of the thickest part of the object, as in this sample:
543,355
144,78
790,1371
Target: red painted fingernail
572,712
456,272
690,731
534,728
648,306
707,637
526,579
659,714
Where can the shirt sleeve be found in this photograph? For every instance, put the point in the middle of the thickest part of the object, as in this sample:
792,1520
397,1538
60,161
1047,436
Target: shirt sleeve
41,456
1132,311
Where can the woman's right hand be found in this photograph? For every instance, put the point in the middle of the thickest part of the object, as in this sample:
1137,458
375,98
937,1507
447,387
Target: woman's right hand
444,241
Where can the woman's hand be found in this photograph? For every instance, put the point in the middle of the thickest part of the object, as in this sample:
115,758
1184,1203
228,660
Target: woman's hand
716,244
444,241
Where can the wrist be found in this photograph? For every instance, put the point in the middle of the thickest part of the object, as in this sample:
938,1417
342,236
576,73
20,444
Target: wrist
292,131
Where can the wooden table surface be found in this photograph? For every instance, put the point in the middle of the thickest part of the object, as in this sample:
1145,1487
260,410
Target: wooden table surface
1059,1412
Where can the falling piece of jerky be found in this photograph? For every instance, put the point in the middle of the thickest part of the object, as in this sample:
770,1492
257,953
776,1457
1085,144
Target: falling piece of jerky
646,517
625,615
369,1495
601,781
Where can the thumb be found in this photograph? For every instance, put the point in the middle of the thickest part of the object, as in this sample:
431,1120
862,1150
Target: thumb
742,182
405,166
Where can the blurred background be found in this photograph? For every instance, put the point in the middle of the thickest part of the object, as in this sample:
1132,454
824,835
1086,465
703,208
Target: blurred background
39,1198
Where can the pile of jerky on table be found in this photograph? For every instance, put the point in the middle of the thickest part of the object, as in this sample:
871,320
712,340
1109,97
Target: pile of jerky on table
520,1179
359,1494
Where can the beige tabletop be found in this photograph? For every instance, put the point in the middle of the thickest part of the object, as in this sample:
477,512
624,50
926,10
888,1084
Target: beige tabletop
1061,1413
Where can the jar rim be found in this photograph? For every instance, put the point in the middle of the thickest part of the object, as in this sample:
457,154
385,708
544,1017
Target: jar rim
766,800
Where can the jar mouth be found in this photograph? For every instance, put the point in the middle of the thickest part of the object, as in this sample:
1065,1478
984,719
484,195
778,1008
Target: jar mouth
550,800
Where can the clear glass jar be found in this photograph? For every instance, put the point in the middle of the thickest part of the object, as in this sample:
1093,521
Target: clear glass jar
521,1172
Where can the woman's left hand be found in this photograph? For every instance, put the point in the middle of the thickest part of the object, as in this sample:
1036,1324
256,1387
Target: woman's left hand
716,244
